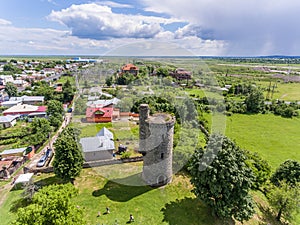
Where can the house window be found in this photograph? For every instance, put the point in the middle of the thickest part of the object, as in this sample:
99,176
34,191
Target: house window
162,156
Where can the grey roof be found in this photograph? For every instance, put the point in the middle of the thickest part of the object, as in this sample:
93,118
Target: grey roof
103,103
99,143
13,151
11,102
105,133
37,113
13,98
33,98
8,118
26,98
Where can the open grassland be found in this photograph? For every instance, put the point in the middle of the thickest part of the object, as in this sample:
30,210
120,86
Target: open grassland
275,138
120,188
283,91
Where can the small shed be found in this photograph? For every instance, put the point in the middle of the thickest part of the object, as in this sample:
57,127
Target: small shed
23,179
13,152
8,121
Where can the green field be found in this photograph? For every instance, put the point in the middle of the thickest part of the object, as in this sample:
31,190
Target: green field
283,91
273,137
119,188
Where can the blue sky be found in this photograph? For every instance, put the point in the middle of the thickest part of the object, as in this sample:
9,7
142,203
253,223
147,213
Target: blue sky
166,27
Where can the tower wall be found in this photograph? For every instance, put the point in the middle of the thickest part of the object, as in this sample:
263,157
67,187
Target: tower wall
156,145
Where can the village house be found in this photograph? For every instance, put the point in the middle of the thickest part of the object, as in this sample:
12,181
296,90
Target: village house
103,103
31,100
129,68
12,159
99,115
181,74
24,109
100,147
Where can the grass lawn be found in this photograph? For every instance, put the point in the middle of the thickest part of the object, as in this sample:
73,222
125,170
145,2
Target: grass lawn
171,204
8,209
275,138
119,187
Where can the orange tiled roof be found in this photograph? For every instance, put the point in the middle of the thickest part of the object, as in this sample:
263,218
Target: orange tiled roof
129,66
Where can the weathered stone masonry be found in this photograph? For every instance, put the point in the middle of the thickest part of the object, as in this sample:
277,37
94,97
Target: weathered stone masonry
156,145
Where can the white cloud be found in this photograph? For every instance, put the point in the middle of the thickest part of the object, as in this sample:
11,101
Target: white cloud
249,26
114,4
16,40
99,22
4,22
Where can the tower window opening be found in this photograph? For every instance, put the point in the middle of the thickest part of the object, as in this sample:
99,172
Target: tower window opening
162,156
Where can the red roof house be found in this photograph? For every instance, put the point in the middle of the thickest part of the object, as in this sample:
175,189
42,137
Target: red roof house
130,68
24,109
99,115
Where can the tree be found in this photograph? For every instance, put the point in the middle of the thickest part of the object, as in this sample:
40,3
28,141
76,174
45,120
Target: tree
68,91
40,129
108,81
55,113
289,171
255,101
80,106
43,89
222,179
11,89
162,71
260,168
68,159
285,199
51,205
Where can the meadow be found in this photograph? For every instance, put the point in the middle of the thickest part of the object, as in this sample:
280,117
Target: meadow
275,138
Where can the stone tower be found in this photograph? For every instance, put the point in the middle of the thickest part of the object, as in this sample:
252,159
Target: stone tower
156,145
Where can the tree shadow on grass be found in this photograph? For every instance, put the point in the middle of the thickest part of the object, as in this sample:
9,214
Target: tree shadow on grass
189,211
117,190
49,181
19,203
268,216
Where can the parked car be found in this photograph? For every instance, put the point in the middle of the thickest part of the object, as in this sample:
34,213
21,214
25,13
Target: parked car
42,161
47,155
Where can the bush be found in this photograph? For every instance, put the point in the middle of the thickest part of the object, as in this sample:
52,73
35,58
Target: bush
125,155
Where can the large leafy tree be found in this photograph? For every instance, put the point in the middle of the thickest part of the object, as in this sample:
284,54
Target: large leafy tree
43,89
51,205
68,156
260,168
289,171
68,91
40,129
11,89
55,112
222,179
285,200
255,101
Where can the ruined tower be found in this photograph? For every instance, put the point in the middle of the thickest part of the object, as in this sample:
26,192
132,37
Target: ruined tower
156,145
